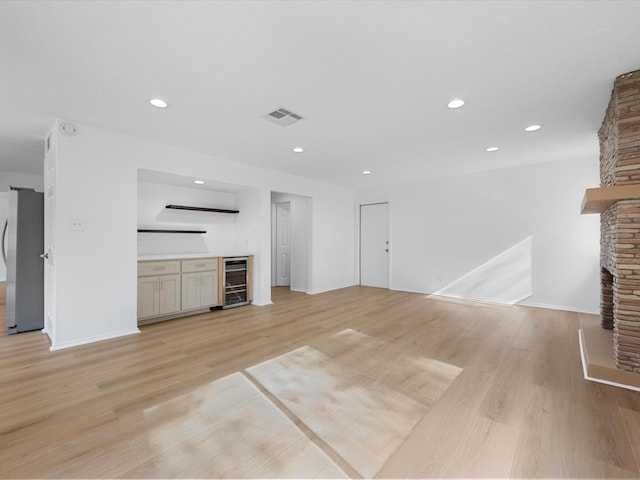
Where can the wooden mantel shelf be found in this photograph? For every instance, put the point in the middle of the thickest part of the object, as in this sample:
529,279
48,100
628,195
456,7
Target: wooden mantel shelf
597,200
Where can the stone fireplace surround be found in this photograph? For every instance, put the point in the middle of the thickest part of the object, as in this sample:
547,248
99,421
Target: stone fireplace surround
620,222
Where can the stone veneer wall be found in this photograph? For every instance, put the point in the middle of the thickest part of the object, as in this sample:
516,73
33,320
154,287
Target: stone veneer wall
620,224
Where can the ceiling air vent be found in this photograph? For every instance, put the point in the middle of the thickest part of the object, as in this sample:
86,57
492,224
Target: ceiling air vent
283,117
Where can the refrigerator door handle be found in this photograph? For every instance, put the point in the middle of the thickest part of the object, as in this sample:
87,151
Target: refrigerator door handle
4,242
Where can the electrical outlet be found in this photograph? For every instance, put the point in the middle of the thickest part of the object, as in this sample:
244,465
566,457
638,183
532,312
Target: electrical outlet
77,224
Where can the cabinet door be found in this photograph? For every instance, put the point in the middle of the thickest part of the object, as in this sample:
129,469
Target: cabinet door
209,289
190,291
148,297
169,294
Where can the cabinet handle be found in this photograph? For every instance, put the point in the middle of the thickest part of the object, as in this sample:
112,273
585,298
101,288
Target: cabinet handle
161,284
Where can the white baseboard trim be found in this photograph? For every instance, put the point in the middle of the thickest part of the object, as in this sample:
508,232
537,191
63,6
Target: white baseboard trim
523,303
262,304
316,292
559,307
96,338
473,299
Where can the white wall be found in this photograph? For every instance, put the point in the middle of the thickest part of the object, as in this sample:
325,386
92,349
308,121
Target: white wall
96,268
444,229
16,179
220,227
332,243
252,236
300,212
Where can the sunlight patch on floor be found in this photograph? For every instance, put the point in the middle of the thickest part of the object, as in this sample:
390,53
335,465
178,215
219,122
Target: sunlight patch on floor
342,405
359,398
233,425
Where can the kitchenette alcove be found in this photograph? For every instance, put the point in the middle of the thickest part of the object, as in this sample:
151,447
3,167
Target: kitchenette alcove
196,244
610,345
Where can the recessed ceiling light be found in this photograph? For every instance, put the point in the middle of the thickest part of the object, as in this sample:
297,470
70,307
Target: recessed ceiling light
158,102
366,172
199,182
298,149
493,149
457,103
533,128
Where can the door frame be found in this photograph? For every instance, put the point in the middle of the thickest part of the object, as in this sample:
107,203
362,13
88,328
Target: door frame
50,167
357,236
301,246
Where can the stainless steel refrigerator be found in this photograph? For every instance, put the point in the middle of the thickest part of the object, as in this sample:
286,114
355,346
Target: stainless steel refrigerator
22,244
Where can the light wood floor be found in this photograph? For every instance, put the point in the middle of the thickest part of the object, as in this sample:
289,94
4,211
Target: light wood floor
519,408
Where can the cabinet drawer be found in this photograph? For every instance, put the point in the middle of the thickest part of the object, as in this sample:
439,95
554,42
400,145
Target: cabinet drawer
158,268
199,265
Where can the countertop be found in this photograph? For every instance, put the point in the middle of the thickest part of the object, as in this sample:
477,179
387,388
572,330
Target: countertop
176,256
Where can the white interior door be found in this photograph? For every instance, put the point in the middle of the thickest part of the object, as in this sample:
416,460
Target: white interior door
283,244
374,245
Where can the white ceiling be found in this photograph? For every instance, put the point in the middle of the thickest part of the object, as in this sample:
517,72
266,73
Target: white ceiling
372,80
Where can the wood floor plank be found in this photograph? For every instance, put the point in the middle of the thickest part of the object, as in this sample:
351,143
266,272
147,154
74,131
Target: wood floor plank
511,387
427,452
486,451
145,405
539,449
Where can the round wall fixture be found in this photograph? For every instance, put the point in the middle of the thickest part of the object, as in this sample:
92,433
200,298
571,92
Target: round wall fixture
456,103
69,129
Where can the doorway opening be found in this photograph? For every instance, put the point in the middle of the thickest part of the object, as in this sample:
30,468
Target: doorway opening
290,241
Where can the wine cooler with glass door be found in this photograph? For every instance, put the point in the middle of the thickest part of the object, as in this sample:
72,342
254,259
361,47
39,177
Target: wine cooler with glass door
236,282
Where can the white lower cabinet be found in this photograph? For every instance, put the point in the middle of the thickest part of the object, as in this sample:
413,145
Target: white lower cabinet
158,295
199,283
148,304
209,292
166,288
169,294
199,289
